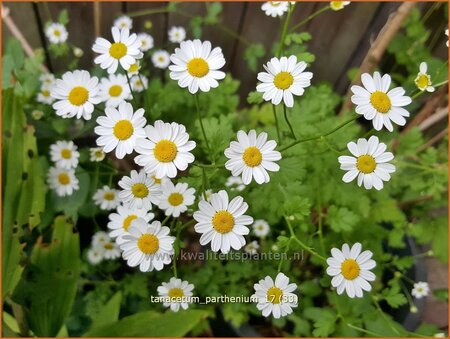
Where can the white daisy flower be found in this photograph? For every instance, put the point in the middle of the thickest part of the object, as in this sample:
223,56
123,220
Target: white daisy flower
423,80
62,181
175,199
37,114
252,156
283,78
196,66
56,33
95,255
111,251
252,247
124,50
338,5
148,246
139,83
44,96
139,190
96,154
275,8
378,104
64,154
206,195
120,129
175,293
161,59
120,222
446,33
222,223
235,184
165,150
261,228
275,297
76,94
47,80
134,69
106,198
350,269
369,164
99,239
114,90
146,41
123,21
177,34
421,289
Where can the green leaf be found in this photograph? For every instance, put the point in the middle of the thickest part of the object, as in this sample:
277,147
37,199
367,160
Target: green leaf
213,11
152,323
297,38
255,97
63,17
324,321
341,219
109,314
441,294
393,296
252,54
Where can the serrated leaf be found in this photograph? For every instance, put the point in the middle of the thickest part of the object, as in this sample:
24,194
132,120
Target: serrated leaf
341,219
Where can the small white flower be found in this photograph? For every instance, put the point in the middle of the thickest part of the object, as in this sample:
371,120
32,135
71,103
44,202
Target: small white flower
176,294
222,223
123,21
44,96
114,90
96,154
370,163
111,251
378,104
338,5
99,239
56,33
95,255
350,269
284,78
64,154
124,50
161,59
107,198
196,66
252,247
62,181
275,297
122,220
423,80
206,195
176,198
440,334
120,129
134,69
261,228
146,41
148,246
47,80
139,83
446,33
37,114
78,52
177,34
235,184
275,8
76,94
165,150
139,190
421,289
252,156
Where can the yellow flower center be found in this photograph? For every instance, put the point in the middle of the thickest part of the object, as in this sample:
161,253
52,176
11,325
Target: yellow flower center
57,33
128,220
283,80
423,81
157,181
261,227
198,67
123,129
98,154
63,178
108,246
133,68
165,151
274,295
252,156
336,5
380,101
223,221
78,95
66,153
139,190
148,243
366,164
109,196
175,293
45,93
118,50
115,90
175,199
275,3
350,269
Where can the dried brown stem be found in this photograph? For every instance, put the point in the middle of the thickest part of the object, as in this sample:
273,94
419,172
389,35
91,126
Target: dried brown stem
438,137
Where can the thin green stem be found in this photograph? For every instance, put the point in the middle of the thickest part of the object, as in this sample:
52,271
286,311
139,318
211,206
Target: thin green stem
197,105
364,330
312,16
148,12
283,32
280,264
319,136
377,305
276,124
166,219
209,165
421,167
288,122
319,217
129,85
187,224
47,10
